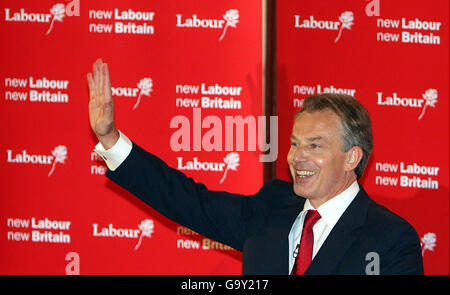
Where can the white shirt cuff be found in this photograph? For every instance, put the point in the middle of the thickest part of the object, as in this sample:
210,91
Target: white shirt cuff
117,154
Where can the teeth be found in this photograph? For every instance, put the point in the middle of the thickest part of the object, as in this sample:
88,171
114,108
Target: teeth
304,173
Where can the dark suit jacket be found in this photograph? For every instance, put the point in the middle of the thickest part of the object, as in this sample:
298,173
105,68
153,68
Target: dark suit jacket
259,225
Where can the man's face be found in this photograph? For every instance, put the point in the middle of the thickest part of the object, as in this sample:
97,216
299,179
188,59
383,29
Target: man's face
316,159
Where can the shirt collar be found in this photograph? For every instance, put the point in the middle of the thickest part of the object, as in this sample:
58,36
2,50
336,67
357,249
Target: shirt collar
331,210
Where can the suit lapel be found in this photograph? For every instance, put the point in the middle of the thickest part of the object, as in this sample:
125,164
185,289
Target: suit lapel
277,234
342,237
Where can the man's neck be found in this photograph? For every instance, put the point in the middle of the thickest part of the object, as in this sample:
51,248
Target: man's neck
317,202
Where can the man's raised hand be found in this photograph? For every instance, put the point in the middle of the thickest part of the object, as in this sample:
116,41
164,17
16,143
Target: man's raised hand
101,105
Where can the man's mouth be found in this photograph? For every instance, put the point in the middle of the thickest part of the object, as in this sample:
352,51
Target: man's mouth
304,173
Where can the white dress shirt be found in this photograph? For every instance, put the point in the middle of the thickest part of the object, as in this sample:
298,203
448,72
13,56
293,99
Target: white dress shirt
117,154
330,211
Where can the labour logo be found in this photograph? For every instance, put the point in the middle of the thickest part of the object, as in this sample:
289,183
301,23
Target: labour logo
229,19
58,12
428,242
145,86
59,155
430,96
146,226
232,161
346,20
232,18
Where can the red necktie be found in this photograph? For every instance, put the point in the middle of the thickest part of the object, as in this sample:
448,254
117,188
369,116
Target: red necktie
305,251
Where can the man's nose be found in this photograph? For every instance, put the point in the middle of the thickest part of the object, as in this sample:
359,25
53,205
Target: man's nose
300,154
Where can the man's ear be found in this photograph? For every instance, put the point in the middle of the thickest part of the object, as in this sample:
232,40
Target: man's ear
354,156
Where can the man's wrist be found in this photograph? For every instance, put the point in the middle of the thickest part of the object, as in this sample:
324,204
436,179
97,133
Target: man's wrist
108,141
115,155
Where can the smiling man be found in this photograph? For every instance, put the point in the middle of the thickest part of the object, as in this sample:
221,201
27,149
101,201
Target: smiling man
322,223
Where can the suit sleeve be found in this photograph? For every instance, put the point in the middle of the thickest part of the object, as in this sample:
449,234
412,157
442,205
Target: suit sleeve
220,216
404,256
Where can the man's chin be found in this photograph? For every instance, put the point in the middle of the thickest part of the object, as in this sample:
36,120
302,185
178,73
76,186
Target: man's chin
303,185
299,191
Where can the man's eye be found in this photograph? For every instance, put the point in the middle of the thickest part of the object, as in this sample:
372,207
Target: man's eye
293,144
314,146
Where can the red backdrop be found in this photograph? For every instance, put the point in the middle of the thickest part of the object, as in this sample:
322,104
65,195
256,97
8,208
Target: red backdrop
175,44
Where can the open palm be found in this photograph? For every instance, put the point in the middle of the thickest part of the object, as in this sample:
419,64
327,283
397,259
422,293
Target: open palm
101,105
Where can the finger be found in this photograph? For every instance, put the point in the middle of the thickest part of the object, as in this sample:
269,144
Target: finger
97,75
102,80
91,85
94,71
94,68
101,85
107,83
90,80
